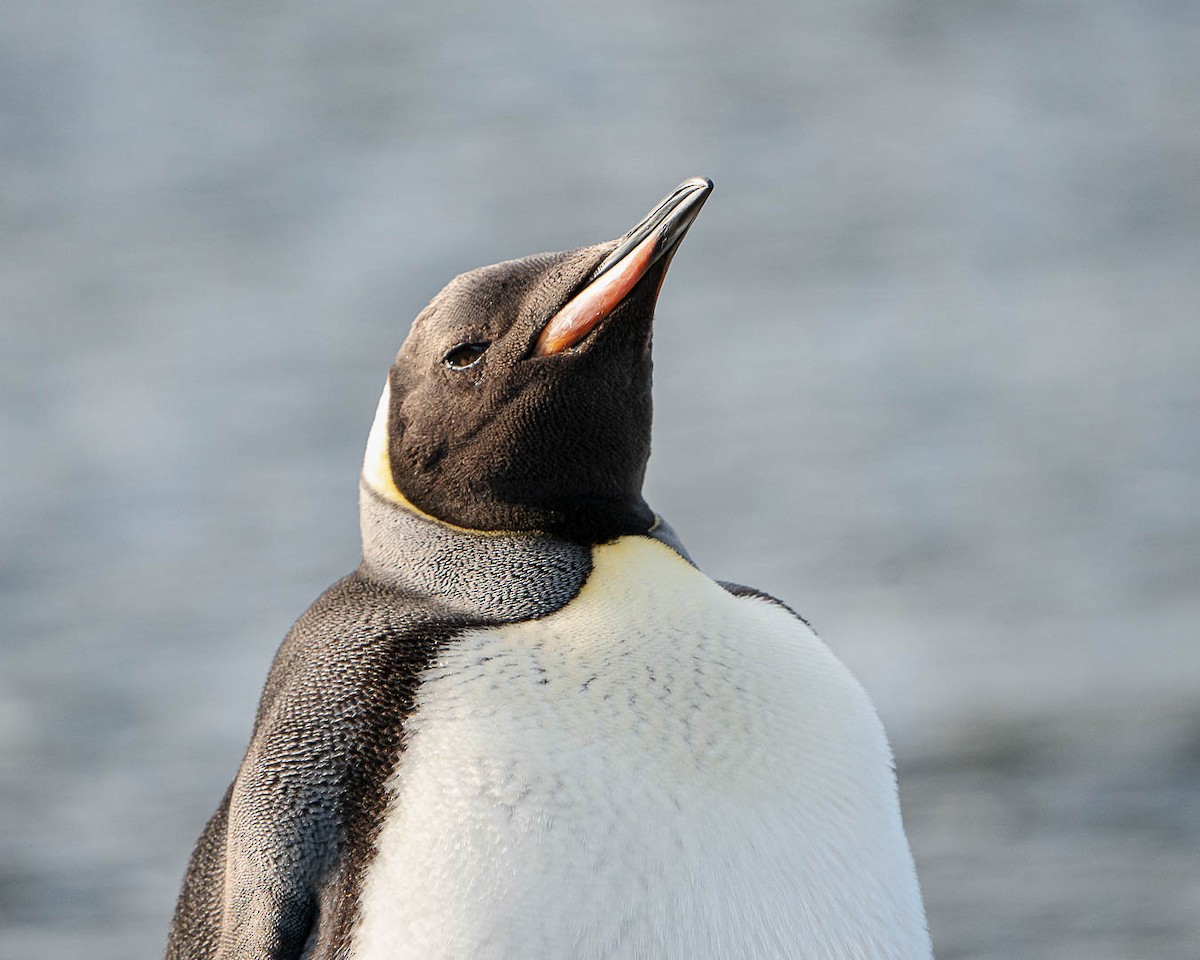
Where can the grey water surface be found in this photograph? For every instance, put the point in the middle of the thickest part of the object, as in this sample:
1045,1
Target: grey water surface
928,368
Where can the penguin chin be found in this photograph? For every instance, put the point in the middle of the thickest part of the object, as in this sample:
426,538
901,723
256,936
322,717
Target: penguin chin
466,494
583,520
568,475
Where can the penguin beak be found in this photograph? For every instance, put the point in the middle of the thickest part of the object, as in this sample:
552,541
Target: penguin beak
652,240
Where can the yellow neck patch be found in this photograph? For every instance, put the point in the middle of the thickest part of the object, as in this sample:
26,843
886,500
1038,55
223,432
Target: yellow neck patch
377,465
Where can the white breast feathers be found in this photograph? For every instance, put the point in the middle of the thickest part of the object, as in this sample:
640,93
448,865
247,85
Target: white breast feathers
657,770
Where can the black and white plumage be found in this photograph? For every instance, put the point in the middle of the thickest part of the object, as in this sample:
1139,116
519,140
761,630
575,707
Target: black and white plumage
528,726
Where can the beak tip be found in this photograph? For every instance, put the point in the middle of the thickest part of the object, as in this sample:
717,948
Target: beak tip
654,238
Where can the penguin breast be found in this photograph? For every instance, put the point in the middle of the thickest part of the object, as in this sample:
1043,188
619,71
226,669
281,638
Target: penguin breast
657,769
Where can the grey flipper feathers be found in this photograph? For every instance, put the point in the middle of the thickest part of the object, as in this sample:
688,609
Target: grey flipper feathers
741,590
196,928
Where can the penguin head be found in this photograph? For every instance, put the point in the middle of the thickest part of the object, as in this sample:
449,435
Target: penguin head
520,400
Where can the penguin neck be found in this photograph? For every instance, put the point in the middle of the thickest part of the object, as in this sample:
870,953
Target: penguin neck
501,576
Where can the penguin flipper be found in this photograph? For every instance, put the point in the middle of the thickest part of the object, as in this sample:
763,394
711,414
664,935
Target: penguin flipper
251,917
196,927
741,590
275,874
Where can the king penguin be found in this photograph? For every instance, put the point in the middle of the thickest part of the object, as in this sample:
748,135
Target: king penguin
527,727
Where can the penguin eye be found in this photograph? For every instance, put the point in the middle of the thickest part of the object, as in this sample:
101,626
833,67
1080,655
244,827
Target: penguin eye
465,355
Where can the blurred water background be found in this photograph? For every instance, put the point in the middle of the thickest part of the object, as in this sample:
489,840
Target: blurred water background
928,368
